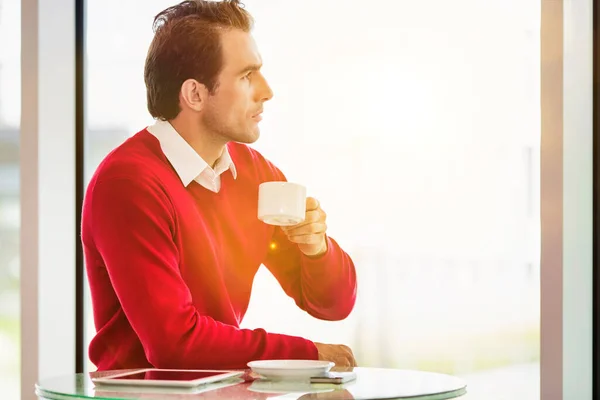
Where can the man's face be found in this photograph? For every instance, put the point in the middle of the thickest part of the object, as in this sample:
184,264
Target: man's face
233,111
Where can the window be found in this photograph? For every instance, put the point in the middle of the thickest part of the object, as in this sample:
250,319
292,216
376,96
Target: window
10,114
419,132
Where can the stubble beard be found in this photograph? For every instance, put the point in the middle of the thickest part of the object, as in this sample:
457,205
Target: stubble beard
222,131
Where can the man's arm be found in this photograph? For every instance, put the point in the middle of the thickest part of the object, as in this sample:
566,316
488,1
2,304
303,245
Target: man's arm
322,283
324,286
133,227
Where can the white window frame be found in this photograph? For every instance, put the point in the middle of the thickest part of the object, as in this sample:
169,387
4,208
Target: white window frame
567,200
578,199
47,163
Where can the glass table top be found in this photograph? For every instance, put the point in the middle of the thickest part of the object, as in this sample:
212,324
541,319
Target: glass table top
371,383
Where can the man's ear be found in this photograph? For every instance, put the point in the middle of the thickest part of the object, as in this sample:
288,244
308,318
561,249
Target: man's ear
193,95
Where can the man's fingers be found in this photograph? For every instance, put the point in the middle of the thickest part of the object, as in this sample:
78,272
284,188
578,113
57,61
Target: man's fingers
350,356
310,218
341,355
347,361
306,239
309,229
351,362
311,203
341,361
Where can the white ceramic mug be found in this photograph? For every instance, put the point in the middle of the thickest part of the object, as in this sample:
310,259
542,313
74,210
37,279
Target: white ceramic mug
281,203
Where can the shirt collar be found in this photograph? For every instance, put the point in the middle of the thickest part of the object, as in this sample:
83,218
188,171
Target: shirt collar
184,159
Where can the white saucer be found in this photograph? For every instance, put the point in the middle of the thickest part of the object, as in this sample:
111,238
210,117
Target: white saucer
290,369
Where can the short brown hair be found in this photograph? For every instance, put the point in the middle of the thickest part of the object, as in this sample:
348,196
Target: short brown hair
187,45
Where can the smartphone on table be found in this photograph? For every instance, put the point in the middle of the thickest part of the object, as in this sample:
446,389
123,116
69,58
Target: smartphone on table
334,377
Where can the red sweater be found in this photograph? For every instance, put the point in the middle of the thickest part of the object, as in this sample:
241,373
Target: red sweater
171,268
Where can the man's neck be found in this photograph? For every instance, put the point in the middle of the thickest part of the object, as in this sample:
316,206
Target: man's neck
207,146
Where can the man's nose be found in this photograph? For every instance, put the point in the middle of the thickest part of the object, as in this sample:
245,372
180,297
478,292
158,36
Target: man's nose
265,90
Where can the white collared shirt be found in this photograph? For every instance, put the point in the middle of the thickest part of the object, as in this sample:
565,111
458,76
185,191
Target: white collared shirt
186,162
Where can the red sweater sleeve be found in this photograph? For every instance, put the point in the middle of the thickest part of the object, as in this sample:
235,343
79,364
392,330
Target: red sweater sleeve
325,287
133,226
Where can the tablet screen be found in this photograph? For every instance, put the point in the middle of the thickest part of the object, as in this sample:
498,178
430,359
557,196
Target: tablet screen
169,375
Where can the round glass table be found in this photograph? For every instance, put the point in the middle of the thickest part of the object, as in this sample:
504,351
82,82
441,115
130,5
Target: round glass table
371,383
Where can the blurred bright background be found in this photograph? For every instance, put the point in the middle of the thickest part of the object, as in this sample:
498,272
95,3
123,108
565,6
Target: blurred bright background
417,126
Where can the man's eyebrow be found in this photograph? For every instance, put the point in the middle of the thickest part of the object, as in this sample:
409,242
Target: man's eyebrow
249,68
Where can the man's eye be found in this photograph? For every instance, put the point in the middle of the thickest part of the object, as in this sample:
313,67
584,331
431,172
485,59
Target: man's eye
247,76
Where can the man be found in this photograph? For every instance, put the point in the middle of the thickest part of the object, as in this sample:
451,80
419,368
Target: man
170,230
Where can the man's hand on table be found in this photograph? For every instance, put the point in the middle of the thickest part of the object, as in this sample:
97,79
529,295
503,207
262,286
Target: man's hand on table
340,354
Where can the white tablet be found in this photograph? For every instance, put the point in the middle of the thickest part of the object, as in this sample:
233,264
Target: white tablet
167,377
